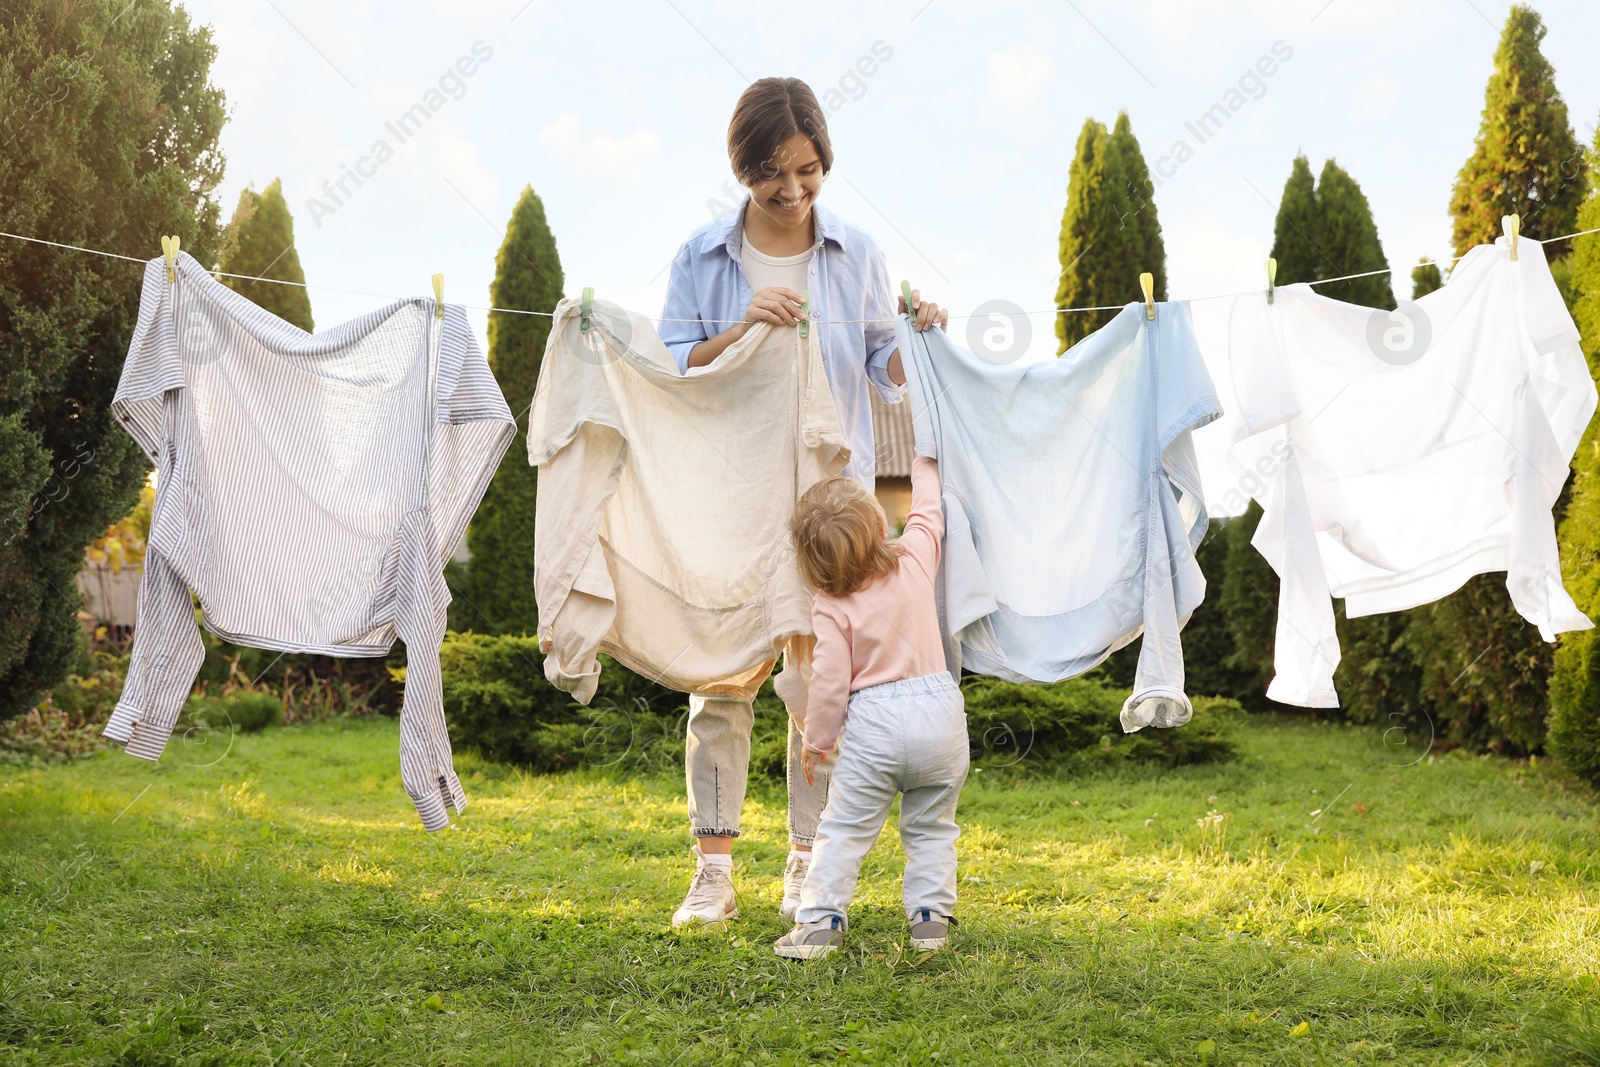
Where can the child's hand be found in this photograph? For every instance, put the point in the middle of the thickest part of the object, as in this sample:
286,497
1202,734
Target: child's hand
809,758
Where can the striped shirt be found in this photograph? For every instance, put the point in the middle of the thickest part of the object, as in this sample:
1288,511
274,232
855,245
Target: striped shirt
310,489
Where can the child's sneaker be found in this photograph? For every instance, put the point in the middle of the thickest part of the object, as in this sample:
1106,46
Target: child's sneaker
710,898
930,931
794,876
811,940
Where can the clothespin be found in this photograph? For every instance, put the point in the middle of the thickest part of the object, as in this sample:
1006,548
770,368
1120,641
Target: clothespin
805,313
169,249
583,315
1272,278
1512,225
438,296
905,294
1147,282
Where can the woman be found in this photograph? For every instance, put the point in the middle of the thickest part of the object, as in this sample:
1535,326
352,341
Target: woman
751,266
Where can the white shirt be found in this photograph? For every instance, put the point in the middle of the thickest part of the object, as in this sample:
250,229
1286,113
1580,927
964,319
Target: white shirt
662,532
1072,502
1395,455
311,489
763,271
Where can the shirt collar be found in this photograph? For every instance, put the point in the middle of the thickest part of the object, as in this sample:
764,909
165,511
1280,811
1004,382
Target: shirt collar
728,230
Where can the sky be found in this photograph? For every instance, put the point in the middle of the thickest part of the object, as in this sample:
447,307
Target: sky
953,124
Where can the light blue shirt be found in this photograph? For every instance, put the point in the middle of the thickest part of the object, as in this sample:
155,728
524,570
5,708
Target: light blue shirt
1072,499
847,279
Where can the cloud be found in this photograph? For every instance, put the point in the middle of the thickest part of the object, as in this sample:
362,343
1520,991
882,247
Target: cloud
597,153
1017,75
457,160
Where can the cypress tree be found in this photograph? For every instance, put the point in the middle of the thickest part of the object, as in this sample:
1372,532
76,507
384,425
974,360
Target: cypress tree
1138,225
498,584
259,242
1348,240
1575,678
108,139
1485,670
1109,231
1295,237
1425,278
1526,161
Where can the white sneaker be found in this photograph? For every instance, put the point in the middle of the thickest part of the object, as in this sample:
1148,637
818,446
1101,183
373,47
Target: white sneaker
710,898
794,876
811,942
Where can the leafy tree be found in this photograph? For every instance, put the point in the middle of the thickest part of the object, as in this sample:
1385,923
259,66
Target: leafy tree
498,584
259,242
1527,161
1109,230
1575,680
109,123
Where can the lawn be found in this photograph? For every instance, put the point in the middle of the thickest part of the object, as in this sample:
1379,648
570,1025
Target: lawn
276,902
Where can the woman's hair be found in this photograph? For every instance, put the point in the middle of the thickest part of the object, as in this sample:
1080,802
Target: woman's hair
839,537
768,113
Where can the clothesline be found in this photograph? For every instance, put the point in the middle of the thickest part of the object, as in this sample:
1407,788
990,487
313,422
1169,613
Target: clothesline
714,322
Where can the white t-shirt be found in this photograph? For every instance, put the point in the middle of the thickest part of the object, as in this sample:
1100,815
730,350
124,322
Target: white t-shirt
763,271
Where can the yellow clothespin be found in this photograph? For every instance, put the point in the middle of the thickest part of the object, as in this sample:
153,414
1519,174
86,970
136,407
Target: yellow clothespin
583,315
169,249
1512,225
438,296
905,294
805,313
1147,282
1272,278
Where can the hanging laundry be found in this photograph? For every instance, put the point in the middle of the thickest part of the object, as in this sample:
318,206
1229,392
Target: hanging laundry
1072,502
309,491
1395,455
662,532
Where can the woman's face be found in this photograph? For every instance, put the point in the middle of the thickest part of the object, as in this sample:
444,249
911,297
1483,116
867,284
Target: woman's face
794,178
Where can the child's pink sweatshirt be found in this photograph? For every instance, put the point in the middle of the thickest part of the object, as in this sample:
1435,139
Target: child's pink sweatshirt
888,629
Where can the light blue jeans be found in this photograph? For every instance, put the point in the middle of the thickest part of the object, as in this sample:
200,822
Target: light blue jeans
907,737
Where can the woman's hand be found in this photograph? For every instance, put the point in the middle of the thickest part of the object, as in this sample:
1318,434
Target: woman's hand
927,314
776,304
809,760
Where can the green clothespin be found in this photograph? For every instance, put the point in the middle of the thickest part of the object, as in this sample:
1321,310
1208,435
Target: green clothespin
905,294
805,313
583,317
1272,278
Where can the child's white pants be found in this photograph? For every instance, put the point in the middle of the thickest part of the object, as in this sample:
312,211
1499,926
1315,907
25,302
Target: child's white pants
907,737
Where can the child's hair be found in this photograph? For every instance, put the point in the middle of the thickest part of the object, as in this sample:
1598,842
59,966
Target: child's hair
769,112
840,537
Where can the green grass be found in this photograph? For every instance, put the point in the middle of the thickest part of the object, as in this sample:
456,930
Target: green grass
279,904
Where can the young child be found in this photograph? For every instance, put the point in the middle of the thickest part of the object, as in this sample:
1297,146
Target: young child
879,669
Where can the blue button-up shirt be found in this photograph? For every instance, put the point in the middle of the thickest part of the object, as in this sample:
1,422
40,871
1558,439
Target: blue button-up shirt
847,279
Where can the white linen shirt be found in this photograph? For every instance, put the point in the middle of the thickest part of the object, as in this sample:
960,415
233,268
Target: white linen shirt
662,532
1072,502
309,490
1397,454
